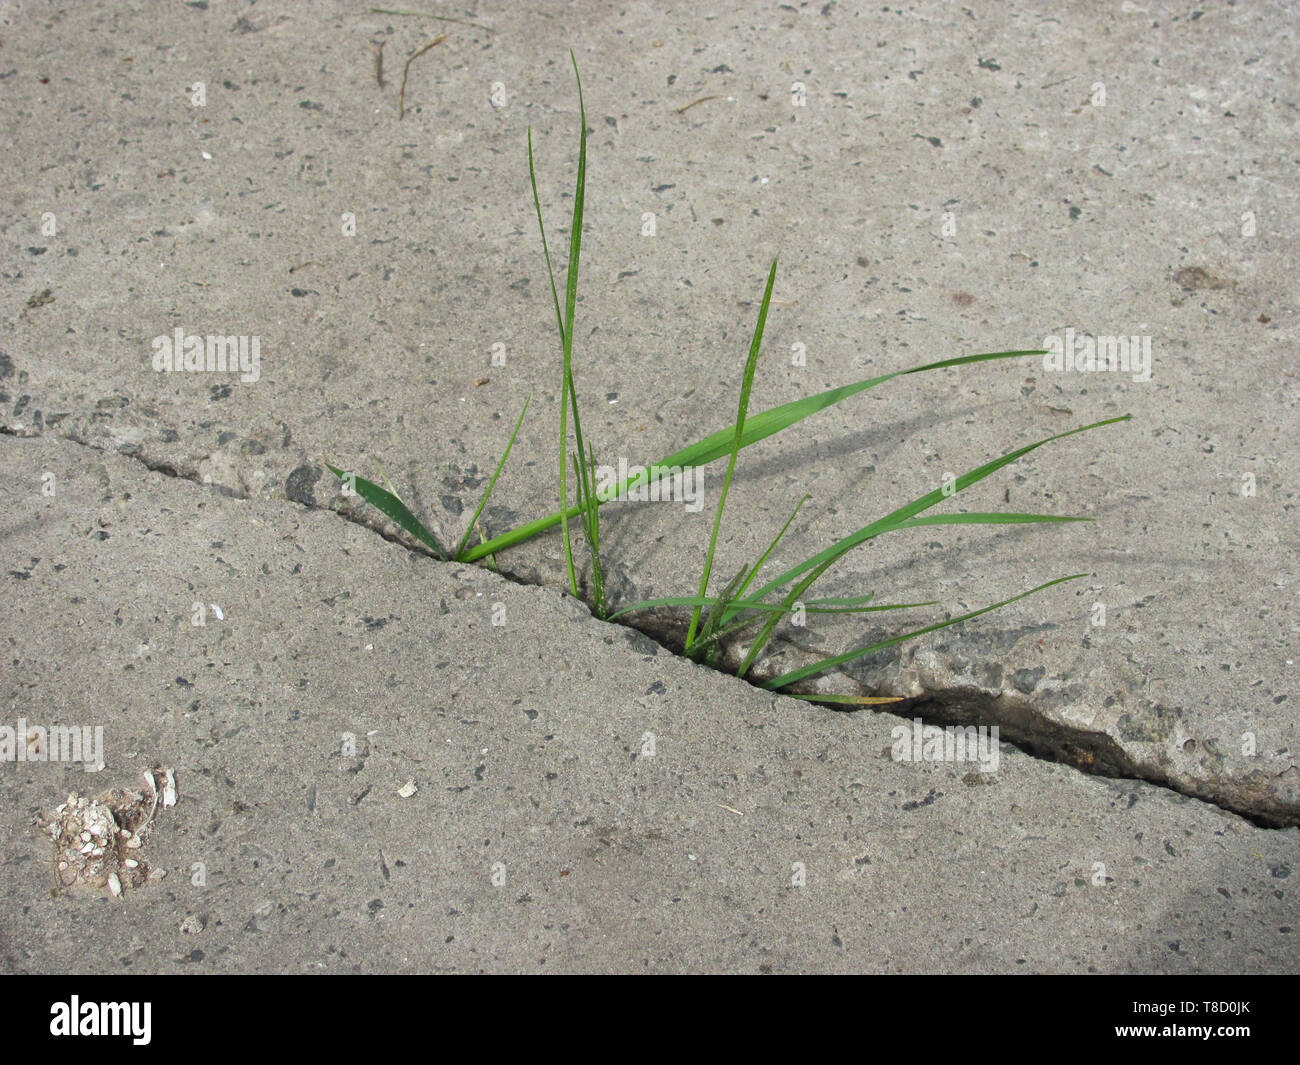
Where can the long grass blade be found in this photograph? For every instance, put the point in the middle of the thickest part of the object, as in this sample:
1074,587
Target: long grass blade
811,606
740,592
746,385
757,427
492,483
387,503
711,619
765,634
591,527
565,323
570,308
897,519
724,630
835,660
388,483
565,511
769,422
993,518
860,700
546,248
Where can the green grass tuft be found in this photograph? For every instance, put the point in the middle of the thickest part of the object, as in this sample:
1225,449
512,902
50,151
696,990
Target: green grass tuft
734,609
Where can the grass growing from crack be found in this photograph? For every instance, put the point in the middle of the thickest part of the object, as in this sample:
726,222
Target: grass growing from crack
734,609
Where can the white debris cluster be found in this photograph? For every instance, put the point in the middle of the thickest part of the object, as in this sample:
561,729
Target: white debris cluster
97,842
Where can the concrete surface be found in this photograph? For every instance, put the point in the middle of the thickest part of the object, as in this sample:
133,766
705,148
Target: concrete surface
946,181
528,744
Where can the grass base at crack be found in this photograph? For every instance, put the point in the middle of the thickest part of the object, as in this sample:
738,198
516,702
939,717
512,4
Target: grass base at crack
734,610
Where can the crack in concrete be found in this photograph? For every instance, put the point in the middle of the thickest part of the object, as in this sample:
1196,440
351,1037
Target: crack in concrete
1086,750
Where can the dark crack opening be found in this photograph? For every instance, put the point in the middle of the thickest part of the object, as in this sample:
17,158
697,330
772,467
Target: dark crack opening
1086,750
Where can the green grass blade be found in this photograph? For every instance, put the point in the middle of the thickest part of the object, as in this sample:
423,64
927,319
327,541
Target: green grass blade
715,613
579,195
565,513
546,249
792,596
746,385
585,472
897,518
811,606
976,518
725,630
591,528
757,427
836,660
388,484
769,422
565,324
387,503
740,592
715,633
809,609
570,309
492,483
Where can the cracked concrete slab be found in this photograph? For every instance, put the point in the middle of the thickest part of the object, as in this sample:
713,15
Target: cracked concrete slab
935,184
933,187
372,776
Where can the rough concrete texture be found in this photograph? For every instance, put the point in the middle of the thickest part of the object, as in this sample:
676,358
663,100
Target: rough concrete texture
528,744
936,181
